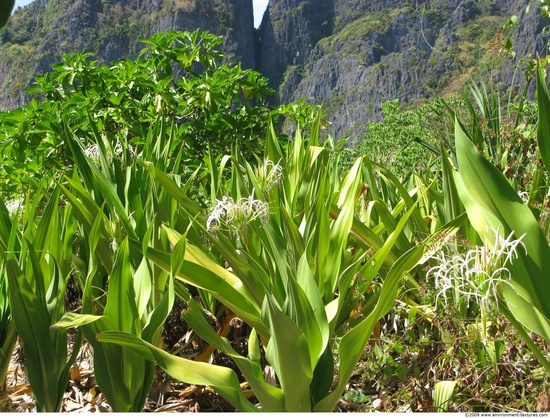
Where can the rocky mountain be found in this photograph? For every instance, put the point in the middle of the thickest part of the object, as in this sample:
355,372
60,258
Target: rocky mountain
353,55
39,33
350,55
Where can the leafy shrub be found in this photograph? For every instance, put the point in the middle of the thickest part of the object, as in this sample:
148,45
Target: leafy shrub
179,77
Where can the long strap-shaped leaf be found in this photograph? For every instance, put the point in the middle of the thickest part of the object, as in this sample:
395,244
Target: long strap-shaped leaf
123,376
233,295
222,379
271,398
339,233
33,325
491,203
543,128
353,343
288,353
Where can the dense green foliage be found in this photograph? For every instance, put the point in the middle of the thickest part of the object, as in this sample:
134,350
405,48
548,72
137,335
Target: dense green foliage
38,34
412,131
166,177
507,139
178,80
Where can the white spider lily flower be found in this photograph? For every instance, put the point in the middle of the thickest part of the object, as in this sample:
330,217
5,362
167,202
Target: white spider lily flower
478,273
269,175
15,206
235,215
92,152
119,150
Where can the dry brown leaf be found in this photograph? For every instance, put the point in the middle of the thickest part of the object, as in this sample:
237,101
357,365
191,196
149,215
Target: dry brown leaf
188,391
17,390
543,403
75,373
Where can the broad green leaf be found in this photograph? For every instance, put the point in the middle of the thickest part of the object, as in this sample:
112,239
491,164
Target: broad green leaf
527,337
173,189
307,283
86,209
543,128
288,353
524,311
195,255
314,322
92,219
80,160
492,204
121,302
244,270
123,376
32,321
389,223
353,343
443,394
152,332
373,265
340,230
113,200
419,222
277,246
73,320
221,379
254,352
230,296
273,150
452,206
43,233
142,287
271,398
323,376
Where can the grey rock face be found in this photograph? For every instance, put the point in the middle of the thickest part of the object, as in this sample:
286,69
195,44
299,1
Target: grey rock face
375,51
289,32
110,29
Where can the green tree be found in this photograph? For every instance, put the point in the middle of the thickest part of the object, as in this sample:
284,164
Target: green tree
178,78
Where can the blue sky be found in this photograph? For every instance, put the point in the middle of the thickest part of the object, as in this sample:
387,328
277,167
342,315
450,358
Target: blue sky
19,3
259,8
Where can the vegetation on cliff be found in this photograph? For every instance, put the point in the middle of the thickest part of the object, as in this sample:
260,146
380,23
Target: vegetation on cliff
39,34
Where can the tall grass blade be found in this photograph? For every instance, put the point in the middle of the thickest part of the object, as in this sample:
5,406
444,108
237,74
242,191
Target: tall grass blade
222,379
543,128
492,204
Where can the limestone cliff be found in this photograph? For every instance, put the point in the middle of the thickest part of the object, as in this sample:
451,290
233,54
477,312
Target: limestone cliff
353,55
37,34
